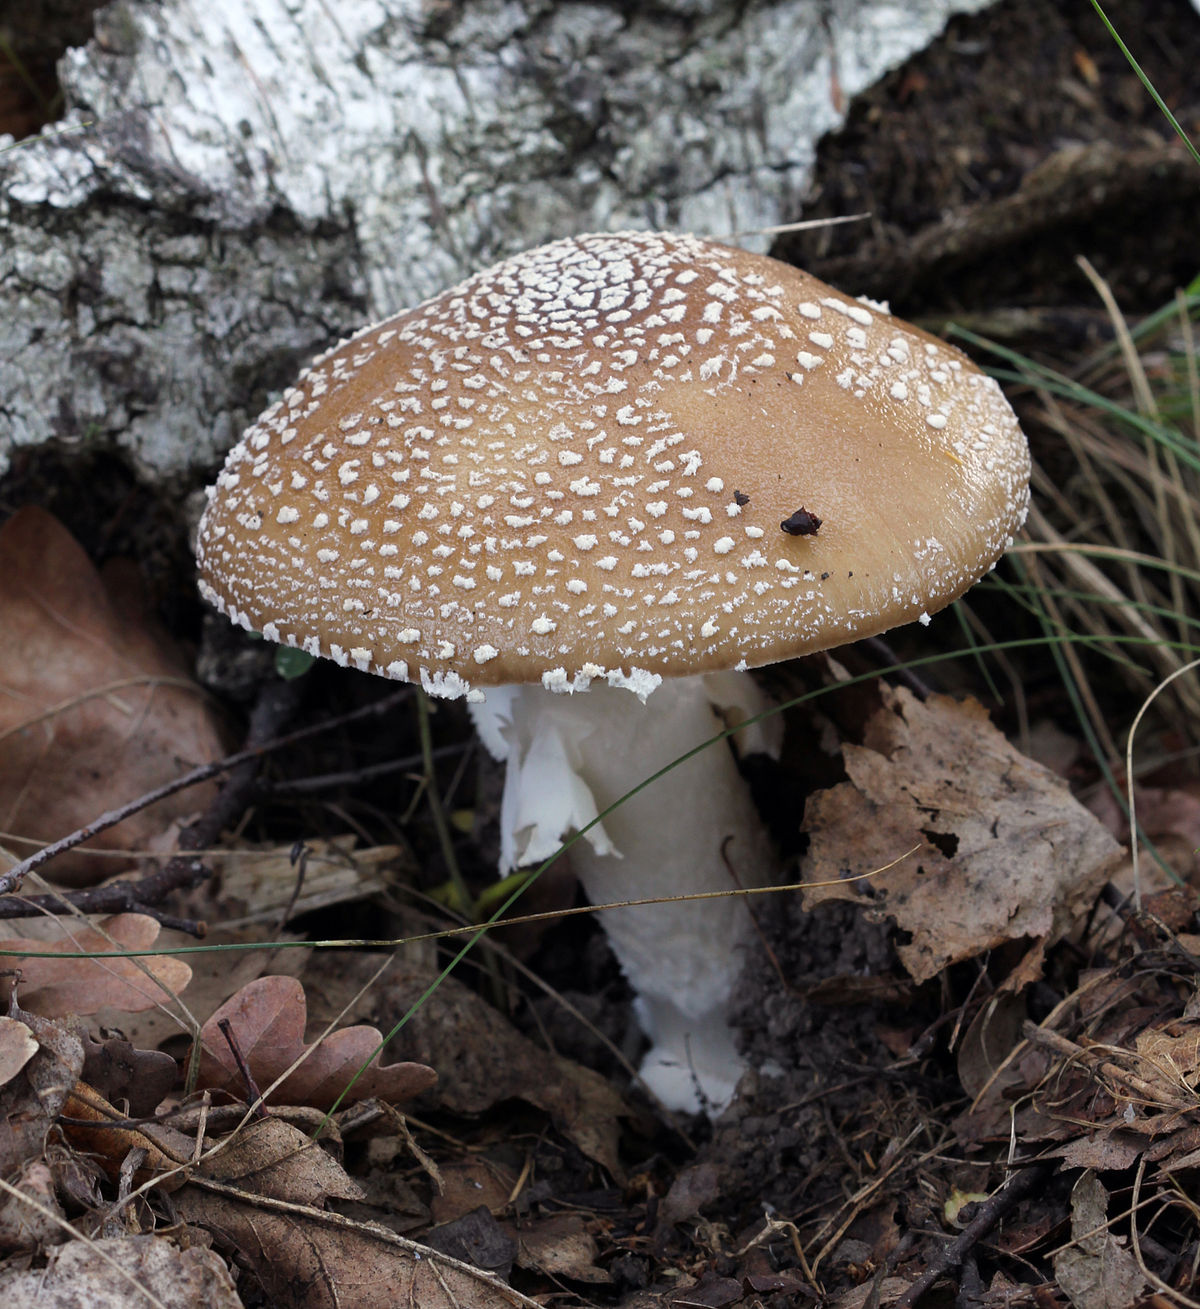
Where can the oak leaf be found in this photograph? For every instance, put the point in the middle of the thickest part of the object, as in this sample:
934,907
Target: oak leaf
54,988
267,1019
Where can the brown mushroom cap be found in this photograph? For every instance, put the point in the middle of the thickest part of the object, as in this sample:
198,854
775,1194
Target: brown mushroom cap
576,464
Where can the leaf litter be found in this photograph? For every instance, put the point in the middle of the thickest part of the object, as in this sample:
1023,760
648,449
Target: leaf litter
97,704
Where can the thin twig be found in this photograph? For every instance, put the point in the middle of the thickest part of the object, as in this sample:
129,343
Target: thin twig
991,1210
253,1095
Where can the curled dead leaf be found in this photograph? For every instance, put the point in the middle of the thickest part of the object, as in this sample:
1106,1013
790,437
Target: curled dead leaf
1006,852
267,1019
57,987
118,1270
18,1045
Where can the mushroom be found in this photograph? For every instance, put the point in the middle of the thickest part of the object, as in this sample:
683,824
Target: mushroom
636,465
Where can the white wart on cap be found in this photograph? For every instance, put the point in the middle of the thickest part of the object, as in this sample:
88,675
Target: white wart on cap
576,465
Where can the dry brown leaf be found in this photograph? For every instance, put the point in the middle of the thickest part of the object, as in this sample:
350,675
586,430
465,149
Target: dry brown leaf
18,1045
1101,1151
72,636
306,1264
560,1246
216,975
125,1075
268,1019
475,1238
1096,1270
56,987
271,1157
1172,1057
25,1226
34,1098
99,1129
992,1035
1169,816
107,1274
1006,851
304,1258
468,1183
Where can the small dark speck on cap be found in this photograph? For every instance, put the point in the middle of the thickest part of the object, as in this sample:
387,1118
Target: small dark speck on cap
741,498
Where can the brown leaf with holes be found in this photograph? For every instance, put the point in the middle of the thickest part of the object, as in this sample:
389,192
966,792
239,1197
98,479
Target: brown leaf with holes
96,704
1006,852
268,1018
1096,1269
56,987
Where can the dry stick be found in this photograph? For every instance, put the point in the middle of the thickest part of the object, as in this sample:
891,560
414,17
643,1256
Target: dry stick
11,880
253,1095
1094,1062
991,1210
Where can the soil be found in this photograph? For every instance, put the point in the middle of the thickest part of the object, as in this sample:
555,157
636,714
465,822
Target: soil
1019,141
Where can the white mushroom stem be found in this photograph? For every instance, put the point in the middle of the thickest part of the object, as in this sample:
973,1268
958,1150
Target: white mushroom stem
568,758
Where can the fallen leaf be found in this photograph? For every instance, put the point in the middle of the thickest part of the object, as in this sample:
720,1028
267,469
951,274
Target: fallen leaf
1169,816
693,1188
55,987
1006,853
468,1183
1101,1151
711,1292
271,1157
22,1226
140,1079
216,975
475,1238
99,1129
1171,1056
108,1274
993,1034
267,1018
97,705
561,1246
34,1097
307,1258
1096,1270
872,1293
18,1045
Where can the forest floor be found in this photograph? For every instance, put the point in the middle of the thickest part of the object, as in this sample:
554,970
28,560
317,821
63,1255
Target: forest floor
1017,1125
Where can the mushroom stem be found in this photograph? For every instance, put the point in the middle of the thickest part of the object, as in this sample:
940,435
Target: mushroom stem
691,831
